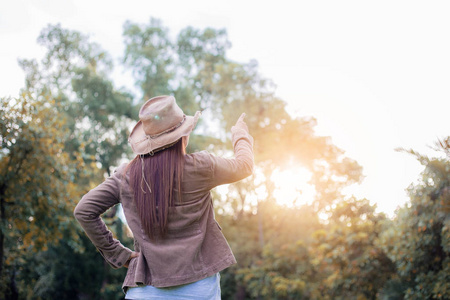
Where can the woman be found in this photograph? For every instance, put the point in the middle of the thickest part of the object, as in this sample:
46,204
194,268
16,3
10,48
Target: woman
166,198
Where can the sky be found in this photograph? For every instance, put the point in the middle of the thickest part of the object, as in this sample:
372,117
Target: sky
375,74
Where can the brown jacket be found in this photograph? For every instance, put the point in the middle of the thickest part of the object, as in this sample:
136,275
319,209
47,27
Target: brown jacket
194,247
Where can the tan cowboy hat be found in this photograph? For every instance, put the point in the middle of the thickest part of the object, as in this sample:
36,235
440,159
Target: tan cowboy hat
161,124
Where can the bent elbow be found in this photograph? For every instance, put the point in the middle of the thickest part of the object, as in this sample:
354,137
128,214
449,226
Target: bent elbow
78,212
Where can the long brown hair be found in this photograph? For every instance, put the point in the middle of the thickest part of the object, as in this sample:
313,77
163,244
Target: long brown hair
156,183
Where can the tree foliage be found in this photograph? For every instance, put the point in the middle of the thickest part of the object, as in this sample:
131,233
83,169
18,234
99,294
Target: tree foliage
36,180
419,240
75,71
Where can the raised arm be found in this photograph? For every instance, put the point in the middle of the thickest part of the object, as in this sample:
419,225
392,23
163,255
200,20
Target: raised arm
228,170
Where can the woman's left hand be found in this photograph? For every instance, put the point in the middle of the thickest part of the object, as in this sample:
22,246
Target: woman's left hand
133,255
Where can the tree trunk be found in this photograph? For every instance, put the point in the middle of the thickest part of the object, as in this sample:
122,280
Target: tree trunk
14,293
2,238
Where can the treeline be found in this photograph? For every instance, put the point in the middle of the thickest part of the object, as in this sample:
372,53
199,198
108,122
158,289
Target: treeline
68,129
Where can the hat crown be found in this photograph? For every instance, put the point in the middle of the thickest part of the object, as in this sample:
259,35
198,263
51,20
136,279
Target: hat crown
161,123
160,114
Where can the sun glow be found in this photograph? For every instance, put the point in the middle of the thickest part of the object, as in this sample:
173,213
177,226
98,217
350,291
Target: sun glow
292,187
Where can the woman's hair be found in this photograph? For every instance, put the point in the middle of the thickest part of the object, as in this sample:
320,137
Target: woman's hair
156,183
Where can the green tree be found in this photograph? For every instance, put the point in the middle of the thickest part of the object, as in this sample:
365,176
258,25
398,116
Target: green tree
36,182
75,71
96,115
347,256
149,54
283,268
419,240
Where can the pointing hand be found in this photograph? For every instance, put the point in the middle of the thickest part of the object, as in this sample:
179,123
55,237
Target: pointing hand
240,123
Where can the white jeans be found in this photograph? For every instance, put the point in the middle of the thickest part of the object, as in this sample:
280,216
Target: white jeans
207,289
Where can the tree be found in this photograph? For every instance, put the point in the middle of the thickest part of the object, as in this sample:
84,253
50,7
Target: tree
347,257
75,71
36,182
95,117
419,240
283,268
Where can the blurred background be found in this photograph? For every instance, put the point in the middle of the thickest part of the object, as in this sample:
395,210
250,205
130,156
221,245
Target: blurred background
347,102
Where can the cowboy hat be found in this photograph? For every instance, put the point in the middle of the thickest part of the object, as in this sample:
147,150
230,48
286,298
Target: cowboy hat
161,124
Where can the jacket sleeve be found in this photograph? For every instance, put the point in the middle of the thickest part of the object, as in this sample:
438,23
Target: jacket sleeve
88,212
228,170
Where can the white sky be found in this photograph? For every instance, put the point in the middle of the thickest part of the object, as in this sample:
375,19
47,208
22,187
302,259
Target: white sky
376,74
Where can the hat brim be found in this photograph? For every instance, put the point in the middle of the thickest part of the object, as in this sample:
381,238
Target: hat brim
143,144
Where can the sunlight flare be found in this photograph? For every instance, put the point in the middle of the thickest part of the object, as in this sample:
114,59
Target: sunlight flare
292,186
